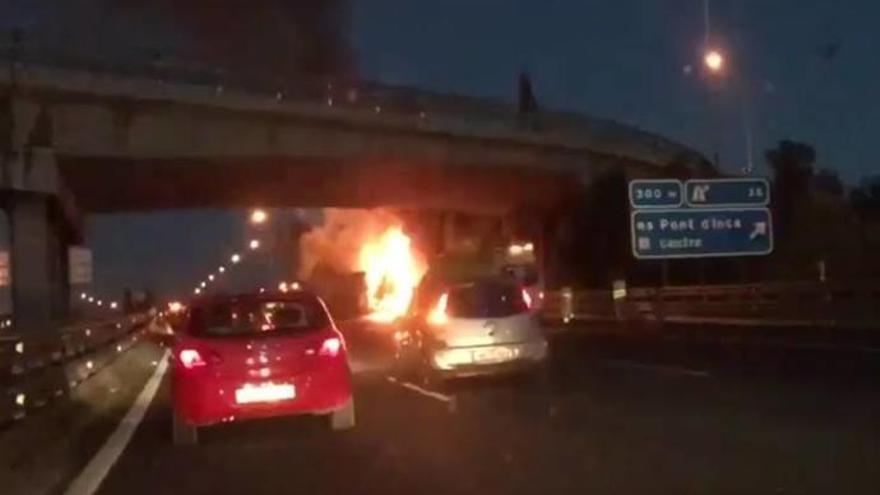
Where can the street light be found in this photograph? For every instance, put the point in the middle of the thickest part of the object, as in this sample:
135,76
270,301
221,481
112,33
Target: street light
714,60
221,269
235,258
254,244
259,216
83,295
211,277
197,291
203,284
113,305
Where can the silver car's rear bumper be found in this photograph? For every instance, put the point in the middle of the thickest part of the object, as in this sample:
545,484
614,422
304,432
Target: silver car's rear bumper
490,359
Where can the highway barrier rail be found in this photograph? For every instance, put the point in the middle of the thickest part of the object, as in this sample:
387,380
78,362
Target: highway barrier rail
802,304
34,370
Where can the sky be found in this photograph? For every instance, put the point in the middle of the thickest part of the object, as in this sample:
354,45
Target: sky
626,60
805,70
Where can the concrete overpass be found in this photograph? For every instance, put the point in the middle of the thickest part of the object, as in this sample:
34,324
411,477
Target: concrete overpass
107,140
136,142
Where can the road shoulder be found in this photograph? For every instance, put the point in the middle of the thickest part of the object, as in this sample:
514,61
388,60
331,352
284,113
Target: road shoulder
43,452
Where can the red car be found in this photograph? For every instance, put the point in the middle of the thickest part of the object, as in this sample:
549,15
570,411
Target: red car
243,357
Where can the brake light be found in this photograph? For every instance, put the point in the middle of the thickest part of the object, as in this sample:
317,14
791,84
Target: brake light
438,315
527,299
190,358
330,347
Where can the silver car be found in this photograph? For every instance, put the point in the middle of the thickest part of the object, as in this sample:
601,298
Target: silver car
469,328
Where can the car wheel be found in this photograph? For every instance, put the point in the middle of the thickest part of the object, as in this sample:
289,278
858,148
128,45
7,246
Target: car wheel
343,419
400,367
183,433
428,377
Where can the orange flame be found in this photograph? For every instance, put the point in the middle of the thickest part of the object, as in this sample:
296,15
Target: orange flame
392,269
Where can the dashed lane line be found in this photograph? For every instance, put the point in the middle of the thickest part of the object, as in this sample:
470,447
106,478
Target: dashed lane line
657,368
449,400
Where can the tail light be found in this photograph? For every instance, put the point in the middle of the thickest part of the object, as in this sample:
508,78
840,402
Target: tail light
438,315
527,299
330,347
190,358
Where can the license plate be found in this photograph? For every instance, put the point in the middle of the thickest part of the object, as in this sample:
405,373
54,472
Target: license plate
492,355
265,392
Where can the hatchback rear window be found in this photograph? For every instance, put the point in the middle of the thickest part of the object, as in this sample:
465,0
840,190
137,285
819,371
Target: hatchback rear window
257,317
485,300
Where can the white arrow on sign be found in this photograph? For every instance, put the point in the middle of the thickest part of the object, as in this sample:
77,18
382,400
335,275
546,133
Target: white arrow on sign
759,229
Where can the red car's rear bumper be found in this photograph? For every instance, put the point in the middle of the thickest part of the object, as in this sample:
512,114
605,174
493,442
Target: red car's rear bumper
201,398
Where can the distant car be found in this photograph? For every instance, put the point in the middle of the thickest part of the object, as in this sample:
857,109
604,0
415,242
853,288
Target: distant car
470,328
244,357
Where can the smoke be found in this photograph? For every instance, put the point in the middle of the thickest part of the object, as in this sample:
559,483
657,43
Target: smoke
336,244
280,37
251,39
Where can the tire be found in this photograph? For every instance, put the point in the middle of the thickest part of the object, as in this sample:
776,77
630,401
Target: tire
343,419
403,367
183,433
428,377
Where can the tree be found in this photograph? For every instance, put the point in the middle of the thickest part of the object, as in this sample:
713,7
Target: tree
865,200
828,181
792,165
598,246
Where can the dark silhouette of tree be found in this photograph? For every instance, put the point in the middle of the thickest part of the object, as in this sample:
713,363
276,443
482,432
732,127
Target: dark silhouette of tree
599,249
828,181
865,200
792,165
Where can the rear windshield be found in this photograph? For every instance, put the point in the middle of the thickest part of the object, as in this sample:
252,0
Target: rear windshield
254,318
485,300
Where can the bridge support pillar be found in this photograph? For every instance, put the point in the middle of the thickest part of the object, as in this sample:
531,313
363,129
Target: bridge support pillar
549,251
39,264
42,215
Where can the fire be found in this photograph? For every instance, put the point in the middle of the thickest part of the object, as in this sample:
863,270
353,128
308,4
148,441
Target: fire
392,270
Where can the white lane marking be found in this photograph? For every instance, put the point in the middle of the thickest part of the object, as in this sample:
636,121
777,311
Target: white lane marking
91,477
660,368
427,393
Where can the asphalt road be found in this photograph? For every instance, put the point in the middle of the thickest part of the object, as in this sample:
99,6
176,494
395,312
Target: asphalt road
612,419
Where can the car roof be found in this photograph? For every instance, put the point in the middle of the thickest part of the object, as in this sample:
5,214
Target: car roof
297,295
467,282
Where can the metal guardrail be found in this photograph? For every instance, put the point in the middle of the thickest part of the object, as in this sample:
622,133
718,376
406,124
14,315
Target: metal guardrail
804,304
35,371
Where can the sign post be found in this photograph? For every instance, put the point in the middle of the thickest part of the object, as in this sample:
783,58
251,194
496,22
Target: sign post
79,260
715,218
